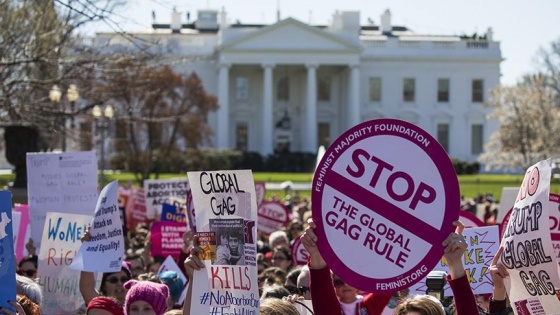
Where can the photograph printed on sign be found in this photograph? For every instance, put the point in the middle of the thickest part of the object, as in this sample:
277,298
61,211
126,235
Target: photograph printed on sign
230,241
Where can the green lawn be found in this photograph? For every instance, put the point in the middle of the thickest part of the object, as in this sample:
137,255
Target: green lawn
470,185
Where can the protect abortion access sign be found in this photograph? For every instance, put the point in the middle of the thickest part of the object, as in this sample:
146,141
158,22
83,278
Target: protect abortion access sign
384,198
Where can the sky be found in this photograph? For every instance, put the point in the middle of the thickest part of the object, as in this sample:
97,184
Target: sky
522,27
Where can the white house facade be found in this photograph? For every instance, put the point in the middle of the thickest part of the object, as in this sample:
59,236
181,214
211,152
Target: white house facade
293,86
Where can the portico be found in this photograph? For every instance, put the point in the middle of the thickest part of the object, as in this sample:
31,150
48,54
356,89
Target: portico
286,63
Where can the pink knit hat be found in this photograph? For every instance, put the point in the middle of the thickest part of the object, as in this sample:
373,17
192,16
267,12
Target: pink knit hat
153,293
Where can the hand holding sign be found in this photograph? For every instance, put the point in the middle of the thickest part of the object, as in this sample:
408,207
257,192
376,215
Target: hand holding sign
309,241
454,249
499,273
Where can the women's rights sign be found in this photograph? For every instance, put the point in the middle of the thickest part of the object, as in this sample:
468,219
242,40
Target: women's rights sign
226,223
385,194
106,231
528,252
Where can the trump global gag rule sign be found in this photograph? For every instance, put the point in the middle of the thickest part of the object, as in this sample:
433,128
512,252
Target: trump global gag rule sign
384,198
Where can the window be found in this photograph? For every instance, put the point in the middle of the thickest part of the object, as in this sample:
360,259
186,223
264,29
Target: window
283,89
477,133
241,88
443,90
324,134
324,89
443,136
375,89
241,136
408,90
477,91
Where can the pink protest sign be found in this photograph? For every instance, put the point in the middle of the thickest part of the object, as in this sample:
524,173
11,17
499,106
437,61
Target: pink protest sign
384,198
167,238
300,255
260,190
470,220
272,216
23,230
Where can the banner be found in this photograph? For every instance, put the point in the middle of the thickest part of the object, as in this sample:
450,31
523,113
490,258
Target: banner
226,219
60,182
136,208
105,251
167,238
160,191
528,253
387,190
173,213
7,262
60,242
22,230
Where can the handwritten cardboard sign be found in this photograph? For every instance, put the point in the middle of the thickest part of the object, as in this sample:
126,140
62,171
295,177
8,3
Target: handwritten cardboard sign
387,190
528,253
226,223
60,182
105,251
60,242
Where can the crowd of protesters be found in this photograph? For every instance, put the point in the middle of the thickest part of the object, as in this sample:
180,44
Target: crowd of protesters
138,288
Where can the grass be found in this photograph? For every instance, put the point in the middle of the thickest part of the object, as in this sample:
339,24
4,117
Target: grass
470,185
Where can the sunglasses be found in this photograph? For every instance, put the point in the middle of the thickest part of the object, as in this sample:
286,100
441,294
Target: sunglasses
297,290
338,283
115,280
29,272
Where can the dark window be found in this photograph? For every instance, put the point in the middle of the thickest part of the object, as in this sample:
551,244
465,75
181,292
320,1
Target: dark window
443,135
241,136
324,89
477,91
375,89
443,90
477,133
408,89
283,89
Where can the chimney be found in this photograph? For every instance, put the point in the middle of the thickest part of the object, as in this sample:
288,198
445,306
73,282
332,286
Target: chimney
386,26
175,21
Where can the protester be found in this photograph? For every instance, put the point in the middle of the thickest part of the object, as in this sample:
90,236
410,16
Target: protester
17,306
279,238
498,301
28,266
145,298
324,296
291,280
102,305
175,285
29,288
111,283
28,306
282,258
277,307
303,283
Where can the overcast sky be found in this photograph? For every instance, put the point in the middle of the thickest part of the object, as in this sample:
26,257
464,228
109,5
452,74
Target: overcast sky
522,26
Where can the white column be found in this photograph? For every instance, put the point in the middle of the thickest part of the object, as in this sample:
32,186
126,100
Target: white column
267,116
223,113
353,113
310,134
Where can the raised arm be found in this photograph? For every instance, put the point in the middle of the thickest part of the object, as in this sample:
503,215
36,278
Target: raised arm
498,301
454,249
323,295
87,279
192,263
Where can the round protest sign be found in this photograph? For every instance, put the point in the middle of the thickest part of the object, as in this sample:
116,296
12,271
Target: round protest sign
260,190
299,253
384,198
469,220
272,216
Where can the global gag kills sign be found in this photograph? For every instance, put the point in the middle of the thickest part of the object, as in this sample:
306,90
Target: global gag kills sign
387,191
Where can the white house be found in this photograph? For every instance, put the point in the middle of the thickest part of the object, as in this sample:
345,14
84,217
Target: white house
294,86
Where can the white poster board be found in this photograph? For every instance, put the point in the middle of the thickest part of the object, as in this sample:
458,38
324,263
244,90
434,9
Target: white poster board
528,253
226,219
60,182
160,191
60,241
105,251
